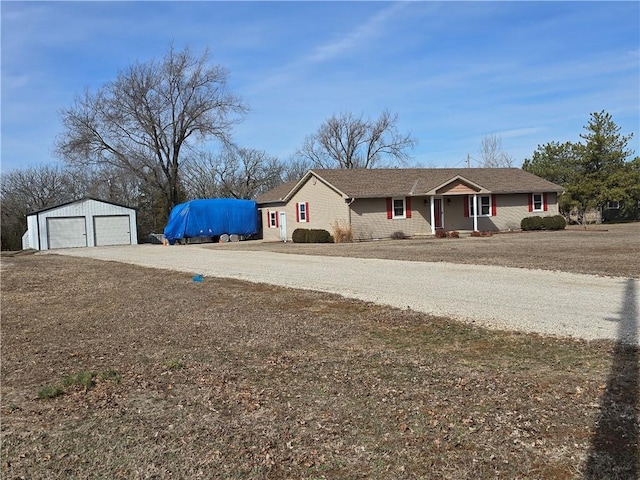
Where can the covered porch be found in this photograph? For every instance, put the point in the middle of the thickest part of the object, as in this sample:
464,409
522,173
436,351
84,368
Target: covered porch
458,204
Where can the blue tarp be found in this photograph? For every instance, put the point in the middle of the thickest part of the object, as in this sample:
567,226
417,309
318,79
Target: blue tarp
212,217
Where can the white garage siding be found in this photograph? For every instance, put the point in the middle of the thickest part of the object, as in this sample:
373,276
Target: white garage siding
103,223
66,232
112,230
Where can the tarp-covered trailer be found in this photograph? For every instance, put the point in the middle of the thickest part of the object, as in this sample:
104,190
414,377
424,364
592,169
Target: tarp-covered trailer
212,217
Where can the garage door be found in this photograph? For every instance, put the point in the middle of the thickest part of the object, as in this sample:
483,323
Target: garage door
66,232
112,230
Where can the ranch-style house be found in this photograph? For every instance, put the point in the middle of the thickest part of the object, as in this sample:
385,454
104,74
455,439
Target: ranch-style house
376,203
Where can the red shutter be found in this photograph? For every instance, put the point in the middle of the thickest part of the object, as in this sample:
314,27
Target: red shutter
493,205
466,205
389,208
277,219
408,206
531,202
297,212
306,209
544,201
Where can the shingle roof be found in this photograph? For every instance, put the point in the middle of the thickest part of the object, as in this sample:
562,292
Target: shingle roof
369,183
418,181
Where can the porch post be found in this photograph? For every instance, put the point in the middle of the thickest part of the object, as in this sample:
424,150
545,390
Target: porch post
475,212
433,222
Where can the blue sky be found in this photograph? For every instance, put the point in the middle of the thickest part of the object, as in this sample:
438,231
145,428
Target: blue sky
454,72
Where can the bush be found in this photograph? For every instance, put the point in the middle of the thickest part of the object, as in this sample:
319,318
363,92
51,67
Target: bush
306,235
453,234
555,222
300,235
399,235
531,223
342,232
441,234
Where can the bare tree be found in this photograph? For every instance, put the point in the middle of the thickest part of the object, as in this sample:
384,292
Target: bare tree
25,191
492,155
236,173
145,120
348,142
295,168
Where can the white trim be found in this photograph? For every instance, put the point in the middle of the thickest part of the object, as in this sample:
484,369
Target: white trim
393,208
272,222
474,204
433,209
302,211
533,202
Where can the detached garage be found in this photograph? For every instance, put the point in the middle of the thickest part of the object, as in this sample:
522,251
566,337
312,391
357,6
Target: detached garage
84,223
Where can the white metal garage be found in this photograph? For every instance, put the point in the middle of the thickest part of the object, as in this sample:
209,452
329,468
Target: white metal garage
84,223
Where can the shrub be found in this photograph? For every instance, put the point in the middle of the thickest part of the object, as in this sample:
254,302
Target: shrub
306,235
300,235
319,236
342,232
556,222
531,223
398,235
453,234
441,234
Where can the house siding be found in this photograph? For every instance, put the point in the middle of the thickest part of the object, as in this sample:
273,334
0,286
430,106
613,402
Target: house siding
369,219
510,210
326,207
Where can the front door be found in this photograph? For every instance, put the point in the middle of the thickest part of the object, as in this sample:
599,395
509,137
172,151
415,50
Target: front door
283,226
437,212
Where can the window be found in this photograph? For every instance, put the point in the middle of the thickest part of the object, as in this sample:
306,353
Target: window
302,212
484,204
537,203
615,205
399,208
273,219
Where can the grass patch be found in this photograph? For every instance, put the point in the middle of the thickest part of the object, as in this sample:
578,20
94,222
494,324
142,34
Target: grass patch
82,379
47,392
174,364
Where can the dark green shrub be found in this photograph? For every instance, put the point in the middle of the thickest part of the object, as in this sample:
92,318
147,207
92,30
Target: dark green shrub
398,235
300,235
306,235
531,223
556,222
319,236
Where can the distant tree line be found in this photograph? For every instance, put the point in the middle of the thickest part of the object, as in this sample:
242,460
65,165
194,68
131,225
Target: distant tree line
598,172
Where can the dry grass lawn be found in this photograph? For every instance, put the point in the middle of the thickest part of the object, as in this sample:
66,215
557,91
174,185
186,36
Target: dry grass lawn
225,379
603,249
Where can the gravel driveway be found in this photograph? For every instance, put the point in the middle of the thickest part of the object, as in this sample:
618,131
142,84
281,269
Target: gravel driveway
556,303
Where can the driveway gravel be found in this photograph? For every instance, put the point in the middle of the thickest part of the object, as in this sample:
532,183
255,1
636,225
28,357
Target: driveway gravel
552,303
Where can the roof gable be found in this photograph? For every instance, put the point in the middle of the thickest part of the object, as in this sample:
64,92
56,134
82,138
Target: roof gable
80,200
